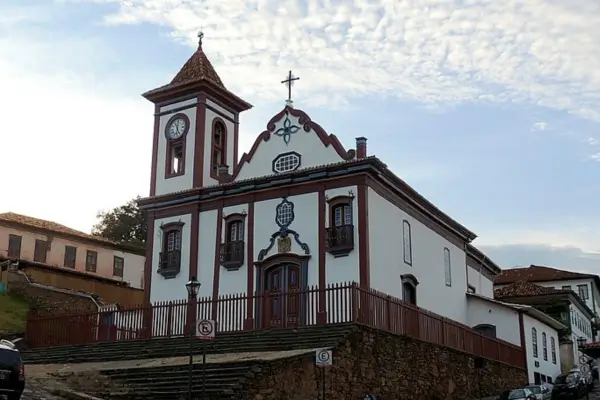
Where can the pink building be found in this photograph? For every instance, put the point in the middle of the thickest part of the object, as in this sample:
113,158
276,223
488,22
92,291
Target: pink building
48,243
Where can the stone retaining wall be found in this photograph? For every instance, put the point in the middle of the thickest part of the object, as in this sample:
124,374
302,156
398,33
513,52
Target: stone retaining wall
389,366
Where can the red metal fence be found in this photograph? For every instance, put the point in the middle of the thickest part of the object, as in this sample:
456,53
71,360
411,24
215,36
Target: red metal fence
338,303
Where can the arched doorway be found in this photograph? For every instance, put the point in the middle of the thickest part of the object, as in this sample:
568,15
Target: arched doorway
282,296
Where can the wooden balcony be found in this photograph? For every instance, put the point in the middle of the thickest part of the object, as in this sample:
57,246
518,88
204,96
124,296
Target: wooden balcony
169,263
232,255
339,240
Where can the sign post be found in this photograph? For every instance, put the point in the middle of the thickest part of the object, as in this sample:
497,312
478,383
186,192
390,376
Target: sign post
205,330
323,359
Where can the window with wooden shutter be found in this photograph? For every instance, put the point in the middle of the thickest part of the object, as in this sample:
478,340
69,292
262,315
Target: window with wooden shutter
118,266
14,246
70,256
39,254
91,261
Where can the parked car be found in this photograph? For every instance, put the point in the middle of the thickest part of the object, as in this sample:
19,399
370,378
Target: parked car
541,392
569,386
517,394
12,371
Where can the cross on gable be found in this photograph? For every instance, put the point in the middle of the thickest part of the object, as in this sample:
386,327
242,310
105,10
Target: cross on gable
289,82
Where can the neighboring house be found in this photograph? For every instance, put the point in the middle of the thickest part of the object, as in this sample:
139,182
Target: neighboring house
563,305
47,243
481,272
298,210
587,286
518,323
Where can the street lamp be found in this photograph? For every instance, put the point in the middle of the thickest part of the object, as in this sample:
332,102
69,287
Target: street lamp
193,287
581,342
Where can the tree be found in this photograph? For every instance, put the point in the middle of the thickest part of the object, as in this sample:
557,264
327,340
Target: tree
126,224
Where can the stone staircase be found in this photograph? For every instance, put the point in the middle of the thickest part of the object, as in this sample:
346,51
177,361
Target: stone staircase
231,342
234,361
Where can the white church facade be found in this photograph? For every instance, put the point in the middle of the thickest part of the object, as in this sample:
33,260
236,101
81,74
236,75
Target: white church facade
298,212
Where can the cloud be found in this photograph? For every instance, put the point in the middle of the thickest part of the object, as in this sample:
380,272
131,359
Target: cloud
69,146
540,52
571,258
540,126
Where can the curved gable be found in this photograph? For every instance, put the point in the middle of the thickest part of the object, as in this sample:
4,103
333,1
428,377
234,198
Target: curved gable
291,141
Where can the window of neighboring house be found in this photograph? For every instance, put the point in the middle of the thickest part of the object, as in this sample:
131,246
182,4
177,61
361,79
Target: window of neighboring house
566,287
70,256
219,147
407,242
91,260
40,251
553,349
118,266
447,267
583,292
544,346
232,250
470,289
14,246
534,342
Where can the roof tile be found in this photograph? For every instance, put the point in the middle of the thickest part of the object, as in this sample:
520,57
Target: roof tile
524,288
536,273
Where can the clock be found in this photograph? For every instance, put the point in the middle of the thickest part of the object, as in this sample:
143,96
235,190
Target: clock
177,127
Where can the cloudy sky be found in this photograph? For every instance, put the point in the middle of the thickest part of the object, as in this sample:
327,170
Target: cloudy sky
490,108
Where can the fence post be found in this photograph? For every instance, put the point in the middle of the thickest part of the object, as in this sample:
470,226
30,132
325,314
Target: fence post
388,311
444,332
354,302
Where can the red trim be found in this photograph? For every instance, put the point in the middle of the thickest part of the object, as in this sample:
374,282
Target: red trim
322,259
217,261
153,172
194,237
199,142
250,266
523,342
236,142
307,124
363,236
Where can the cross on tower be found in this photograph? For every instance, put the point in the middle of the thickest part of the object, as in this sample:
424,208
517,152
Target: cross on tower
200,36
289,82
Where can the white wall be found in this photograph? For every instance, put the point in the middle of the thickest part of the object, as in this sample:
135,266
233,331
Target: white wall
580,327
505,319
546,367
184,181
480,282
171,289
387,261
133,268
307,144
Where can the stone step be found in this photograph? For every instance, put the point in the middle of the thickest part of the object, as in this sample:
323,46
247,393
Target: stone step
274,340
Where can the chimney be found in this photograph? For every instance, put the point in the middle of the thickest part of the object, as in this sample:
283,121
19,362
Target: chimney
361,147
223,170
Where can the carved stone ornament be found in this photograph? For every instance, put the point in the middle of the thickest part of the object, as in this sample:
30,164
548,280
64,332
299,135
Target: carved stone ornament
284,244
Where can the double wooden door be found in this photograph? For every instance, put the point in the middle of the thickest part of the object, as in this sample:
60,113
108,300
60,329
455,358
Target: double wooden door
282,299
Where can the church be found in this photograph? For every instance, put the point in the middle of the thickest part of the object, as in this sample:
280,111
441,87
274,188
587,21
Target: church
298,210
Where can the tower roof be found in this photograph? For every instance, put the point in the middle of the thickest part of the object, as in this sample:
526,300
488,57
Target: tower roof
197,71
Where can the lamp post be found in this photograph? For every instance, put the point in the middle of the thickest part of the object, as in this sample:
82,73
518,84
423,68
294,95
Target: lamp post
193,286
581,342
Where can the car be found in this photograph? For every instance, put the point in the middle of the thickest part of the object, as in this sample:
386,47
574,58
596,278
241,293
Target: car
541,392
569,386
12,371
517,394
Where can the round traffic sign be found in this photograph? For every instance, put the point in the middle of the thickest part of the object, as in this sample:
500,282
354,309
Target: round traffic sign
205,327
323,356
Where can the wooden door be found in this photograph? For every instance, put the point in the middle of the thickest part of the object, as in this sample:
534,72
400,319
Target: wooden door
282,297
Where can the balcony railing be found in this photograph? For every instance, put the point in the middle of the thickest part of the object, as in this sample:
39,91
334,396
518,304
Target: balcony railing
232,255
339,240
169,263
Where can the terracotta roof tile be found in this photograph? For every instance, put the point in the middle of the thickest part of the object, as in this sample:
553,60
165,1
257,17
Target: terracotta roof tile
522,289
50,226
197,68
536,273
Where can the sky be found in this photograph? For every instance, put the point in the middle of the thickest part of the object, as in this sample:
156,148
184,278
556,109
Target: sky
489,108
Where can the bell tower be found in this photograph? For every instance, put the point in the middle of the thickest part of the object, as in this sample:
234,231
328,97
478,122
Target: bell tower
195,128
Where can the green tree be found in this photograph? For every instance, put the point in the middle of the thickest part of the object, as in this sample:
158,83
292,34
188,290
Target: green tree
126,224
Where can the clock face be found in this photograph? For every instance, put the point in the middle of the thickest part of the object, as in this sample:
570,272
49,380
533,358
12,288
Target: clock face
176,128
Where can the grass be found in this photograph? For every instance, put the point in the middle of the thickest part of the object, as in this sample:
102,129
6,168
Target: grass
13,314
